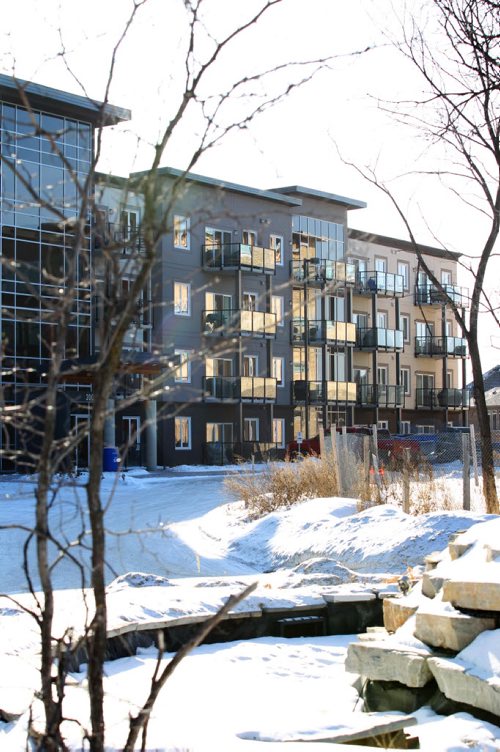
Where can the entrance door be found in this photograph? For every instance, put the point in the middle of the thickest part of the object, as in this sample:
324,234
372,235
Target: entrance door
79,427
131,437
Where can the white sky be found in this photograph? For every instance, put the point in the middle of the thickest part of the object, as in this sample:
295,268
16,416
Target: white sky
295,142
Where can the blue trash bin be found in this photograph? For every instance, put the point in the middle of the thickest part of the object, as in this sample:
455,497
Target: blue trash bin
110,459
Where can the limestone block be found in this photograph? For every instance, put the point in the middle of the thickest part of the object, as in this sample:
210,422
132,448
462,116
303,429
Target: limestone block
432,560
452,631
388,661
483,596
458,549
456,684
396,612
431,584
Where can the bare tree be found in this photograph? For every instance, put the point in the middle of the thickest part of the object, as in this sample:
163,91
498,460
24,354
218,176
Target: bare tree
455,49
34,418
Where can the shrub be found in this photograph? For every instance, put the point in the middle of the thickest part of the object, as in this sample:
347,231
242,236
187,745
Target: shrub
284,484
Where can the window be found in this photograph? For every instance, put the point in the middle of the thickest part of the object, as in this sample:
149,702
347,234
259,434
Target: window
404,325
424,329
446,277
404,378
380,264
361,320
182,235
405,426
129,222
425,429
182,299
250,365
404,271
360,375
249,301
276,244
279,432
182,432
217,238
278,307
382,375
249,237
383,424
278,371
183,371
222,432
381,320
449,379
449,328
218,367
250,429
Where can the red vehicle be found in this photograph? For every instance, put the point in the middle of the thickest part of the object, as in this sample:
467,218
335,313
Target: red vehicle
391,449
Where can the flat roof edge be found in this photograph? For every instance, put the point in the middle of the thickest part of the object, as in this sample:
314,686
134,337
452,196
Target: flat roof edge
349,203
223,185
10,86
403,245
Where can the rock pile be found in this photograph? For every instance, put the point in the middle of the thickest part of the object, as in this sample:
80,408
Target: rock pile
441,641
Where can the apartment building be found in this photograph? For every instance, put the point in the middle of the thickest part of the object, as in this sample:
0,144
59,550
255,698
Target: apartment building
265,315
283,319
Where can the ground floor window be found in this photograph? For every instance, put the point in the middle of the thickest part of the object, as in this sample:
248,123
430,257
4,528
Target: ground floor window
182,432
426,429
251,429
279,432
222,432
405,426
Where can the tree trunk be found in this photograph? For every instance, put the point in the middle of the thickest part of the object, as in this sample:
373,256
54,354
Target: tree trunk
488,468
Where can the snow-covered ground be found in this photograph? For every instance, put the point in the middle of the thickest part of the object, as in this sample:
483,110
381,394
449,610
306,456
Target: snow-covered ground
222,696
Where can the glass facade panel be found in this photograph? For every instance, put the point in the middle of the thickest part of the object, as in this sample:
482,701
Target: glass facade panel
33,239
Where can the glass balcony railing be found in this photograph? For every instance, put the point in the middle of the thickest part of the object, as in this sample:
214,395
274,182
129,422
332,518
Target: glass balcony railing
232,452
382,283
435,399
438,347
379,339
320,332
319,392
240,388
322,271
380,395
234,256
428,294
238,322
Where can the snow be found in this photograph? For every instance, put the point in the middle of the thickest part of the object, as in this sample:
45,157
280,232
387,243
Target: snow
194,549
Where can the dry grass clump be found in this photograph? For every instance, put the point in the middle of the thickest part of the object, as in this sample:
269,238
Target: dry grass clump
281,485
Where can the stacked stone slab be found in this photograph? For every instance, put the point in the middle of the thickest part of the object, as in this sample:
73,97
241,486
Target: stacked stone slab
447,629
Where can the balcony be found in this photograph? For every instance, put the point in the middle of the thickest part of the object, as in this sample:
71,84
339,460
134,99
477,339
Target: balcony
440,399
236,256
319,392
239,389
322,272
113,236
379,339
381,395
439,347
320,332
235,322
428,294
382,283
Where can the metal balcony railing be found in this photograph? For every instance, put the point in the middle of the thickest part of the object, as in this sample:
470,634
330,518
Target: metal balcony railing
320,332
234,256
435,399
320,392
382,283
428,294
240,388
111,235
322,271
376,338
381,395
239,322
438,347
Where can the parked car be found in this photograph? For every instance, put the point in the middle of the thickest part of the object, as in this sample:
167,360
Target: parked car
391,448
